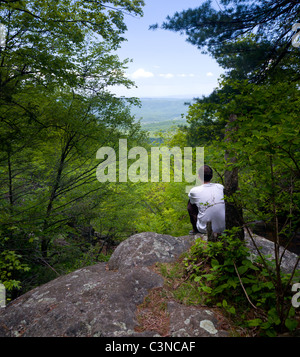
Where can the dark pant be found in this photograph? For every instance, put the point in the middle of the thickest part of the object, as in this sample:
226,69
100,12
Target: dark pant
193,212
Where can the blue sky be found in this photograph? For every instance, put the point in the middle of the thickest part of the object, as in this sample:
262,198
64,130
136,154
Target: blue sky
164,64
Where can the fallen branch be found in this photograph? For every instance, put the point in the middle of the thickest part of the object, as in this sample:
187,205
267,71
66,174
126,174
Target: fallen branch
243,286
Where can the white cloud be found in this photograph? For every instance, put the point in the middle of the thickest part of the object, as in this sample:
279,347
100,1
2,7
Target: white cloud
166,75
184,75
209,74
141,73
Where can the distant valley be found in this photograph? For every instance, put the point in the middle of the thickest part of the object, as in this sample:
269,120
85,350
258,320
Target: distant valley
160,114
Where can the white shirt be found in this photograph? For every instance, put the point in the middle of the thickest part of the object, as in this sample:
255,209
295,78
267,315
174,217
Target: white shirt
209,199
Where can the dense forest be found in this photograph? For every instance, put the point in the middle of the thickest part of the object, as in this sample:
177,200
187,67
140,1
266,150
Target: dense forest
57,63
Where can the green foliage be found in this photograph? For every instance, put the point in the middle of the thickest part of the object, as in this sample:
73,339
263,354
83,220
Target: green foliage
206,125
264,142
162,208
178,286
228,277
266,148
260,89
56,110
9,264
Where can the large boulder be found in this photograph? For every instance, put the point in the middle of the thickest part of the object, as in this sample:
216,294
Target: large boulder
102,300
88,302
145,249
266,248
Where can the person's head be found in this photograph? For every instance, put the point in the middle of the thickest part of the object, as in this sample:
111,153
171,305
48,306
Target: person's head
205,173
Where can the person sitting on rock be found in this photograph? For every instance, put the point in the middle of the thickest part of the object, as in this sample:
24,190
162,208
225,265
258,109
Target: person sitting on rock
206,204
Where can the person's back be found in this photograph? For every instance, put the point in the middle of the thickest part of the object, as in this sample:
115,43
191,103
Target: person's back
209,199
206,204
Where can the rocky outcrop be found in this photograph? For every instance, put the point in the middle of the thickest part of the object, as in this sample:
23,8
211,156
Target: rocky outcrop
88,302
145,249
102,300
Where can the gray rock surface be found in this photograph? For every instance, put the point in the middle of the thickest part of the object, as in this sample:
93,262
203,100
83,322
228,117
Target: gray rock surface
88,302
145,249
97,301
102,300
191,321
266,248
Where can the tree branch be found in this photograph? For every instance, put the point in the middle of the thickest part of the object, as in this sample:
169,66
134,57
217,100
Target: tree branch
243,286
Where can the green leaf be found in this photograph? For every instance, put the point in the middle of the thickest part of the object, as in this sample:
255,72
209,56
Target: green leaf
209,277
214,263
242,269
256,288
271,333
233,282
269,285
273,318
291,324
232,310
206,289
254,322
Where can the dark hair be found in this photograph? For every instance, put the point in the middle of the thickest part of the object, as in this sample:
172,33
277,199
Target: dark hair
206,173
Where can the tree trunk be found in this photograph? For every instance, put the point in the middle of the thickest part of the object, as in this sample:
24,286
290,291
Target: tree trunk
233,213
211,236
56,185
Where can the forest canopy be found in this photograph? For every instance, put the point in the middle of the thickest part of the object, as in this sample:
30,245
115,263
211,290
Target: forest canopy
57,62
